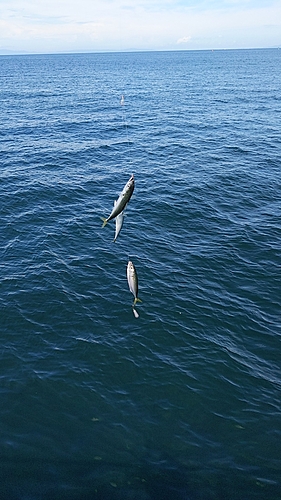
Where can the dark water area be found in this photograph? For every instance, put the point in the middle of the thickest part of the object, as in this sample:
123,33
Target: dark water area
184,402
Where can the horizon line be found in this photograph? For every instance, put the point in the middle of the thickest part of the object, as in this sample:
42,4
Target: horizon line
10,52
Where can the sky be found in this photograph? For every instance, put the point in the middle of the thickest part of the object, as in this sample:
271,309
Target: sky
51,26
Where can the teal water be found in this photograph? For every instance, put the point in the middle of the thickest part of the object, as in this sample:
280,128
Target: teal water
182,403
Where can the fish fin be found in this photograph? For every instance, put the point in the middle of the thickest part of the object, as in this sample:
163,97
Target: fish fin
105,221
137,300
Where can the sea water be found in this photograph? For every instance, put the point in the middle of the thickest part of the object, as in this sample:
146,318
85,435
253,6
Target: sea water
184,402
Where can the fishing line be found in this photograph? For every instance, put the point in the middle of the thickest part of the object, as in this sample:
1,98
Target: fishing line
125,122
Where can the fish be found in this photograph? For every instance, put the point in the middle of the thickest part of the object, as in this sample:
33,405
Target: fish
122,201
132,278
136,314
118,223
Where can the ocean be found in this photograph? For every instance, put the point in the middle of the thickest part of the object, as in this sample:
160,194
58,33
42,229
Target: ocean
183,402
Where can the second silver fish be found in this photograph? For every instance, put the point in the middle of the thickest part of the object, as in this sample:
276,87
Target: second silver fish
118,223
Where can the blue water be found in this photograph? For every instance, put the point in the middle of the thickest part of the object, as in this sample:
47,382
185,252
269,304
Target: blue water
183,403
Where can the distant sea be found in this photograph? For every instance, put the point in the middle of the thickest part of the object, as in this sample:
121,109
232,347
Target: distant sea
184,402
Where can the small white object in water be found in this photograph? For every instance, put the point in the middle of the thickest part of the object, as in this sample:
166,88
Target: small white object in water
136,314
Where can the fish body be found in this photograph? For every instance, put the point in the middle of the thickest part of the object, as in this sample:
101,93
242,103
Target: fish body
122,201
118,223
132,278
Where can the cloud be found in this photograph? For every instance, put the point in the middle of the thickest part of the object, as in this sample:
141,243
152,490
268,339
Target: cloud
184,39
37,31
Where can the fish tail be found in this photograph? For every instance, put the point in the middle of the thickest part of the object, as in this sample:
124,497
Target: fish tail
137,300
105,221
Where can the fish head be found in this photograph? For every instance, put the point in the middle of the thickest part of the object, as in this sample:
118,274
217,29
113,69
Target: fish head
130,269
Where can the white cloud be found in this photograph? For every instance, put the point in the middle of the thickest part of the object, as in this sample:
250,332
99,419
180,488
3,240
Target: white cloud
184,39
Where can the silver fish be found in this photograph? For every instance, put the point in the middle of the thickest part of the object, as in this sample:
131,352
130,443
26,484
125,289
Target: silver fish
136,314
122,201
132,278
118,223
